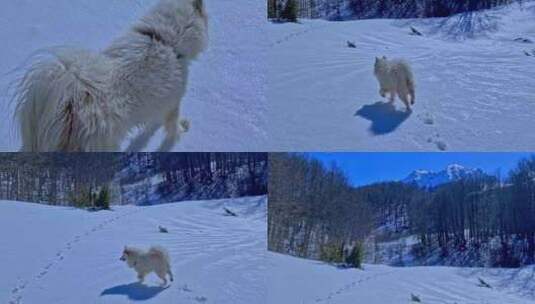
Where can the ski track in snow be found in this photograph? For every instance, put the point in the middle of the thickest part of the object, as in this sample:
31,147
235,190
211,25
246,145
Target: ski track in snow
475,94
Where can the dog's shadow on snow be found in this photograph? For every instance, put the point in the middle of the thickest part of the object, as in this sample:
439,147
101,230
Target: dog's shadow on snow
384,116
135,291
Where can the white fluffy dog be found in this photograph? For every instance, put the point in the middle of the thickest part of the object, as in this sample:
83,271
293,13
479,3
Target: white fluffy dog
395,77
155,260
80,101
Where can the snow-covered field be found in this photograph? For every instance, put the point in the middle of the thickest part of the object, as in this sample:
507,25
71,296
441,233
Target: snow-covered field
297,281
475,93
65,255
225,103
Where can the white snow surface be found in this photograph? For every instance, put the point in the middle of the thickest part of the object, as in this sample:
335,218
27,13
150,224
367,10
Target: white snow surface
65,255
297,281
225,101
474,85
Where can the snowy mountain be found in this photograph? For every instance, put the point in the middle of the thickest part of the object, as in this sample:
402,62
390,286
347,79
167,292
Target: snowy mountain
63,255
431,179
292,280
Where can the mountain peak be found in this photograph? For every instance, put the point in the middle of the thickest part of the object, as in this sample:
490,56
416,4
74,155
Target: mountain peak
431,179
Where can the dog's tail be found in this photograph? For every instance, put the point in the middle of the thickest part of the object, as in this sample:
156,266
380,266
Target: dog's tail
59,99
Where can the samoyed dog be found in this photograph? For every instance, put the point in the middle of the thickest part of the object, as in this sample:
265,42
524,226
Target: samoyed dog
395,78
75,100
156,259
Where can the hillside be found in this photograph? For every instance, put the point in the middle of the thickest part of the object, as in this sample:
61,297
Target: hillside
63,255
293,280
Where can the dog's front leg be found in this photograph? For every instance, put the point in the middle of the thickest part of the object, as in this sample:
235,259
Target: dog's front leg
173,129
140,142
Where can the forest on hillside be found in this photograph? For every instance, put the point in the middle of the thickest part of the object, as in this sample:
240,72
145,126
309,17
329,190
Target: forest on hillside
480,220
362,9
55,178
150,178
79,179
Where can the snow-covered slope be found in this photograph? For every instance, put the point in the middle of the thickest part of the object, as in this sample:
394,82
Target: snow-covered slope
292,280
65,255
473,94
430,179
225,103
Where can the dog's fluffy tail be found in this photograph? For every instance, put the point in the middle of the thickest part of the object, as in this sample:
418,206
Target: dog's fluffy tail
59,100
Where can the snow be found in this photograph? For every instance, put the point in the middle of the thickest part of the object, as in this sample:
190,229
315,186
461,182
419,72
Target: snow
293,280
66,255
474,84
225,101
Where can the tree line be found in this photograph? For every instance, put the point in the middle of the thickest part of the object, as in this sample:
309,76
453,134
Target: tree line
97,179
56,178
314,210
191,176
360,9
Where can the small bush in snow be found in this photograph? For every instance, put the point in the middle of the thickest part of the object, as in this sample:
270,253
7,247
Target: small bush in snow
81,199
331,253
356,257
103,199
290,11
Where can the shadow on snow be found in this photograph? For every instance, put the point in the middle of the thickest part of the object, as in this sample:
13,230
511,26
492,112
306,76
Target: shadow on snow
135,291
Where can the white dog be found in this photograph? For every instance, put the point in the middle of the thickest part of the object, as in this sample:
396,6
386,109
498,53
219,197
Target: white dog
155,260
395,77
79,101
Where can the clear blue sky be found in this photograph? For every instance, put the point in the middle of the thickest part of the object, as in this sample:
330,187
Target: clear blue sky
367,168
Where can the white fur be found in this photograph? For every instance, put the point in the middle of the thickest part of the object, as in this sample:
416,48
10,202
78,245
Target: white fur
156,260
79,101
395,78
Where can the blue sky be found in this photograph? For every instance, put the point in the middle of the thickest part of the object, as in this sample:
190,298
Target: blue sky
366,168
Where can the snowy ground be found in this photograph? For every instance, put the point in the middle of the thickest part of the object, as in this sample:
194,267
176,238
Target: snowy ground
297,281
473,94
64,255
226,102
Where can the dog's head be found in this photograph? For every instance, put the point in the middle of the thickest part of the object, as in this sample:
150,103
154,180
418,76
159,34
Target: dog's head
129,256
126,252
380,62
182,24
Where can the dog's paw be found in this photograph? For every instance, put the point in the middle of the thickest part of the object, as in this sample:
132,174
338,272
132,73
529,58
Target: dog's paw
185,125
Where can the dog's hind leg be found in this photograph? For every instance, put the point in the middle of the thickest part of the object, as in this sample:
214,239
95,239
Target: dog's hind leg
173,128
404,96
162,275
140,142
